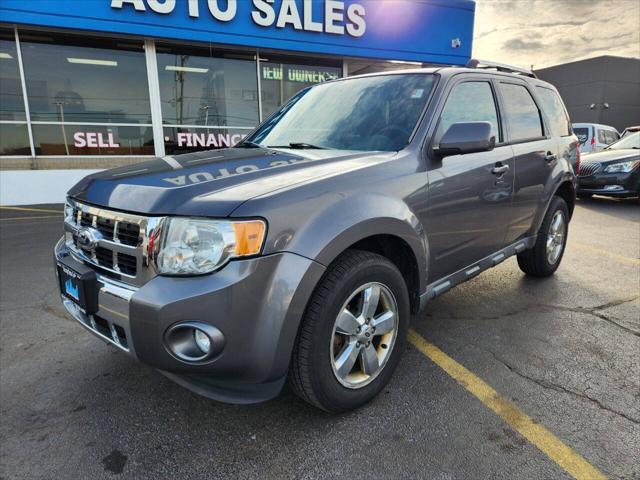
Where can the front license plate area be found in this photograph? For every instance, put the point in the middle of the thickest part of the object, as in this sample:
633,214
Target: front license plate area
79,284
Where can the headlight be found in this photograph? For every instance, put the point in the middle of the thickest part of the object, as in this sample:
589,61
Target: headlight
623,167
192,246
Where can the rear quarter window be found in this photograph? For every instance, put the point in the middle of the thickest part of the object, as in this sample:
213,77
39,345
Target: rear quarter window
554,110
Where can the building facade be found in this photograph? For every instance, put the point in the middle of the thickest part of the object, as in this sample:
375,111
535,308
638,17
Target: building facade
87,85
603,90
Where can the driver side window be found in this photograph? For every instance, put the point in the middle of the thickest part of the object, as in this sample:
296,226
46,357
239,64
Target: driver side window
470,102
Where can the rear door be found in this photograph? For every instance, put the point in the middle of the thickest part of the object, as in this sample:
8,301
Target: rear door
469,195
535,152
558,124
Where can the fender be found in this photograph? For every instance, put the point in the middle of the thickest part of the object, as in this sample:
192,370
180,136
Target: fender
352,218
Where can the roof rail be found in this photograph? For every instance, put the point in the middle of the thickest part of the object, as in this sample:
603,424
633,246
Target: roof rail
501,67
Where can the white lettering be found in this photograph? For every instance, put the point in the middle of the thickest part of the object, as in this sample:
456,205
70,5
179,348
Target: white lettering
198,139
289,14
101,142
223,15
224,140
246,168
162,6
184,139
200,177
235,139
355,15
268,15
194,10
180,180
92,139
309,24
78,140
211,140
333,12
112,142
137,4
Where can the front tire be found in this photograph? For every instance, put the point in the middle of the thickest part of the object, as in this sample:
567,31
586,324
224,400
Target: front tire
352,334
544,258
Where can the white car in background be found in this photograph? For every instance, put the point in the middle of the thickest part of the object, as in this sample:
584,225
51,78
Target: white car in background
594,137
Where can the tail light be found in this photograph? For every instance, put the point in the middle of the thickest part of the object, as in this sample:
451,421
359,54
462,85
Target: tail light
593,142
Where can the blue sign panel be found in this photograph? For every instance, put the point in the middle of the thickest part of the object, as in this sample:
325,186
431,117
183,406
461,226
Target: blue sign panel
439,31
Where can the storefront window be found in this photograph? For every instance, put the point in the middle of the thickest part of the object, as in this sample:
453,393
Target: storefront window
82,79
202,86
281,80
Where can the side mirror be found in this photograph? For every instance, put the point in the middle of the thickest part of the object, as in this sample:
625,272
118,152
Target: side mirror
468,137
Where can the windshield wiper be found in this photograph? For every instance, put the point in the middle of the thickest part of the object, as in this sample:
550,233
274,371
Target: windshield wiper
249,145
299,146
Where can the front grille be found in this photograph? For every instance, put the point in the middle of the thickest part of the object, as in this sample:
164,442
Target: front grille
588,169
118,241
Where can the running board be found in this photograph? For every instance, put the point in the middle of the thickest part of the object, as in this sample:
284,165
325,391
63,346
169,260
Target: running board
447,283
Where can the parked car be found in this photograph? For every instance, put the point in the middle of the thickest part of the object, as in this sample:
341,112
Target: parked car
301,253
594,137
614,172
630,130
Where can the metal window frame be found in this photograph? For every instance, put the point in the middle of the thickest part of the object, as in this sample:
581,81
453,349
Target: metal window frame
25,98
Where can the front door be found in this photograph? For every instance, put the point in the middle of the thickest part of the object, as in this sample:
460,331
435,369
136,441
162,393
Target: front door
469,195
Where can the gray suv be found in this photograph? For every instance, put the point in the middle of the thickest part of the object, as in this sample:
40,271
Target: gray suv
300,254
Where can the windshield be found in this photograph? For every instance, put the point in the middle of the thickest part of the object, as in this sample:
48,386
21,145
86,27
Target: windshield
369,113
629,141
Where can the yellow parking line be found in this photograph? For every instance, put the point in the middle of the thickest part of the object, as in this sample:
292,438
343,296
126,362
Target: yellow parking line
538,435
25,209
28,218
599,251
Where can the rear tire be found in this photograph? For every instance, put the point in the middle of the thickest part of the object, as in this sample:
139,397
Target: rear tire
544,258
316,374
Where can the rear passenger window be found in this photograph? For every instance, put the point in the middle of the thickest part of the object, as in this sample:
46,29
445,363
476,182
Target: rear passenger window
470,102
554,109
522,113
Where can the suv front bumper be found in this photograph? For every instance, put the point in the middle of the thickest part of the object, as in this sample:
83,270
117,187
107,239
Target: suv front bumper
256,303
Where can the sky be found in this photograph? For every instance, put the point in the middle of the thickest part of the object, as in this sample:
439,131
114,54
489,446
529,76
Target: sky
549,32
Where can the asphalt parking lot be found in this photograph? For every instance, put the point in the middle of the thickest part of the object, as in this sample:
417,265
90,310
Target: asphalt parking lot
564,351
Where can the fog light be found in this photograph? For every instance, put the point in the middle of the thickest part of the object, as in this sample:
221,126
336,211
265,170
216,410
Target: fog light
194,342
202,340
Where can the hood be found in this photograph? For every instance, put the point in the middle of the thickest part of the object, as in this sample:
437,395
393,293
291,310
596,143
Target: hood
611,156
216,182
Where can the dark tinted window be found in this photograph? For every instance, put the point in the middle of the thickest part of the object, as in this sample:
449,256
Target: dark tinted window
522,113
368,113
82,79
554,109
470,102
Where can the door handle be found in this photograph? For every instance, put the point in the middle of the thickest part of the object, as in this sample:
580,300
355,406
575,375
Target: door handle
550,157
499,169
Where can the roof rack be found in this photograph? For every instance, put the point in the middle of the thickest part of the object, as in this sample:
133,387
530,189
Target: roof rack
501,67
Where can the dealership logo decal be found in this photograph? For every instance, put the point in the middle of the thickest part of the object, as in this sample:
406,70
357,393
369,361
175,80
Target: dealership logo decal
337,18
199,177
